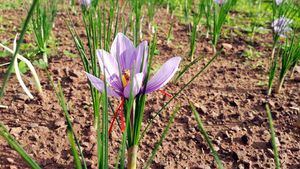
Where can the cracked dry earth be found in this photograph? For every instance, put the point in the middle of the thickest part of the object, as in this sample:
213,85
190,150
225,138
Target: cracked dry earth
229,95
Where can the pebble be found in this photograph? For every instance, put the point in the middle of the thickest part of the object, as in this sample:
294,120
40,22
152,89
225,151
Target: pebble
202,109
33,125
13,167
208,49
59,123
227,46
16,131
21,96
270,152
10,160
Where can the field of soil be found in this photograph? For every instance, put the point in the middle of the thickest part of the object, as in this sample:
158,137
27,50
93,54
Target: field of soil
230,97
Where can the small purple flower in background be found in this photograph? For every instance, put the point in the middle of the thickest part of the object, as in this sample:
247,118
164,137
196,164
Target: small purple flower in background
86,3
123,60
278,2
281,26
220,2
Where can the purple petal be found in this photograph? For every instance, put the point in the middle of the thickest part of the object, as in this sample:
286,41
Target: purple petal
137,84
141,53
120,44
111,65
86,3
163,75
99,85
126,59
115,83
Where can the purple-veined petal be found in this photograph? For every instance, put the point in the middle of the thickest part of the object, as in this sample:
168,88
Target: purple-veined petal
141,53
163,75
116,84
127,59
111,65
120,44
137,85
99,85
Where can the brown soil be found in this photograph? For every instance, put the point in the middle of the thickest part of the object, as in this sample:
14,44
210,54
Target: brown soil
228,96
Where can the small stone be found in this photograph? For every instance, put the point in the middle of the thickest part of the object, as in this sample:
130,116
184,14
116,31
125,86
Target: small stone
202,109
208,49
43,128
270,152
241,166
241,155
22,96
59,124
235,128
13,167
272,103
34,137
216,148
85,144
16,131
10,160
33,125
227,46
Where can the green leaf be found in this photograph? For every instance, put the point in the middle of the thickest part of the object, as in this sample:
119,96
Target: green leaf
4,54
69,54
273,137
206,137
17,147
10,68
23,67
40,63
163,136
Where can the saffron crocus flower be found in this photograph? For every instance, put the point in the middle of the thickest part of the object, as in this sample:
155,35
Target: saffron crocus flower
281,26
85,3
220,2
125,62
278,2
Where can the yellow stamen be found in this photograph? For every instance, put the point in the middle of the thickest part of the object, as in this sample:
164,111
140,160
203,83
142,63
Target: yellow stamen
125,77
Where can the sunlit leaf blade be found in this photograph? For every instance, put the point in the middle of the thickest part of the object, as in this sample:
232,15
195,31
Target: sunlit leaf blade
162,138
178,93
206,137
17,147
273,137
79,163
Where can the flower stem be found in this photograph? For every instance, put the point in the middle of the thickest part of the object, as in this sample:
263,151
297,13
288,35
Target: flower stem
19,78
273,53
45,58
33,72
132,157
214,49
273,137
279,86
292,73
30,66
